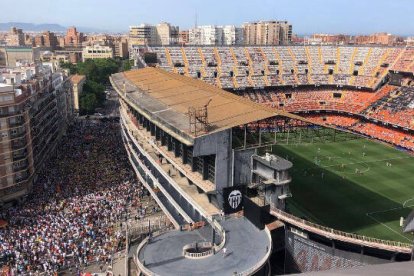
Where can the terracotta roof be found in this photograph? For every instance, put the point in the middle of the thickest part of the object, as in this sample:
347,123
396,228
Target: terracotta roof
76,79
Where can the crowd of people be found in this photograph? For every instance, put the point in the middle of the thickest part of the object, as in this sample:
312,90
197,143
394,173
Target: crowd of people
71,219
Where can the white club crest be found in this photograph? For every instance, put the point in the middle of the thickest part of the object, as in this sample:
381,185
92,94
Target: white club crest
235,198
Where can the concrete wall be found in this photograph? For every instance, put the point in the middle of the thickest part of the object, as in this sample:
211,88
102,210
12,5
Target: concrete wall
242,166
220,145
306,255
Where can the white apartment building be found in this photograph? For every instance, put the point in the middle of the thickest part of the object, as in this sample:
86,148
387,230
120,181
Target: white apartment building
216,35
232,35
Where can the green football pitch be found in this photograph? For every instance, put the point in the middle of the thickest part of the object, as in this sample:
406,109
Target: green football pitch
358,186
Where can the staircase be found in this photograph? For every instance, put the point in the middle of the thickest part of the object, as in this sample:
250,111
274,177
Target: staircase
251,69
186,64
320,55
218,82
203,62
216,53
378,67
367,57
352,66
309,58
266,67
390,66
170,62
280,65
235,70
235,84
295,75
338,60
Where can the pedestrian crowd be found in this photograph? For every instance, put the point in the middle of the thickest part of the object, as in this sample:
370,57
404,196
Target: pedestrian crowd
80,196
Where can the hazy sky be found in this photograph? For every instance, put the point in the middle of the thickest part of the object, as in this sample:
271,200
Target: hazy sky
307,16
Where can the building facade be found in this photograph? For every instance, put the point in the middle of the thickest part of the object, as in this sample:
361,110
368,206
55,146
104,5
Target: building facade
15,37
184,37
97,51
141,35
329,39
46,39
121,48
9,56
377,39
77,82
35,109
215,35
267,33
167,34
232,35
146,34
73,37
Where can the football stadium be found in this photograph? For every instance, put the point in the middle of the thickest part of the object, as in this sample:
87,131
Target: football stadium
338,121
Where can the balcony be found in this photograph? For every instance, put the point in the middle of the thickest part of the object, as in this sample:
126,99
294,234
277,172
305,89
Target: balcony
20,156
18,144
18,134
22,165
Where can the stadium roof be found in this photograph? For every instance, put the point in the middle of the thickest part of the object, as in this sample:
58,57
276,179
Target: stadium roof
166,98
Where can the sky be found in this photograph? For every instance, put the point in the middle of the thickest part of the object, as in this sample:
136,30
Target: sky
306,16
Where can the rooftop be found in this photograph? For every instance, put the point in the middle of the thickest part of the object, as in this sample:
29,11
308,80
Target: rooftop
166,97
246,245
275,162
76,79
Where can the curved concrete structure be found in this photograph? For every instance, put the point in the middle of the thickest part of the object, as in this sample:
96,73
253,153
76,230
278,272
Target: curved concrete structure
248,250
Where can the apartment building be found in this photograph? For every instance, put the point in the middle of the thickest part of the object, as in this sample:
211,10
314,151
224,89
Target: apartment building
141,35
146,34
46,39
215,35
267,33
97,51
121,47
232,35
184,37
35,108
73,37
329,39
15,37
377,39
167,34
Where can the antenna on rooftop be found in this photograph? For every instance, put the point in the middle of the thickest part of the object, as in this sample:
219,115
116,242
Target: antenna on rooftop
195,23
198,118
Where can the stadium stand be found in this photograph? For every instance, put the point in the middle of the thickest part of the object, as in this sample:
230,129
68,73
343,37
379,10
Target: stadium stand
395,108
258,67
304,79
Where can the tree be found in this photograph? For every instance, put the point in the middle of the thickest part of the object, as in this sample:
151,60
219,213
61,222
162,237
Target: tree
127,65
73,69
97,89
87,103
97,72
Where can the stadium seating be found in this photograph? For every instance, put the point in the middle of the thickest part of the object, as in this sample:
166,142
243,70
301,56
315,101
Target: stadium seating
395,108
258,67
304,79
389,135
405,62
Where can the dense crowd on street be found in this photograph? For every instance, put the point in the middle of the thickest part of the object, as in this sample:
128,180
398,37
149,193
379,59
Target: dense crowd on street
78,200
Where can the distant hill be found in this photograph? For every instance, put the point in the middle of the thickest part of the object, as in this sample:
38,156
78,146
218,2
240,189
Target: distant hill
30,27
